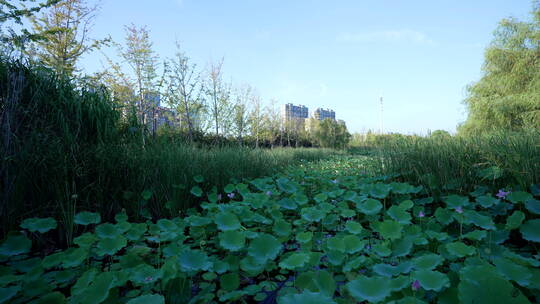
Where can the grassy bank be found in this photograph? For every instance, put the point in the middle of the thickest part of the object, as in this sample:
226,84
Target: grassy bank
456,163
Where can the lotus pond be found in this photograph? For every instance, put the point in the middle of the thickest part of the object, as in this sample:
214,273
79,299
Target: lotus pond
318,233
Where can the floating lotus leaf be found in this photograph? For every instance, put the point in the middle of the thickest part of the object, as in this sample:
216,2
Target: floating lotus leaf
353,227
111,245
320,198
40,225
399,214
487,201
87,218
476,235
444,216
304,237
515,220
167,225
335,257
229,281
346,213
74,257
482,221
312,214
353,243
533,206
406,204
530,230
403,247
86,240
386,270
265,247
306,297
232,240
50,298
198,221
389,229
294,261
513,271
453,201
427,261
145,274
370,206
335,244
282,228
374,289
194,260
399,283
227,221
8,293
197,191
148,299
286,185
15,245
252,266
482,285
431,280
108,230
300,198
137,231
198,178
287,203
380,190
97,289
354,264
458,249
382,249
519,197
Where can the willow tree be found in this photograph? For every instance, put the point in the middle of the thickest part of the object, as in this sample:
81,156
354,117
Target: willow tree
508,94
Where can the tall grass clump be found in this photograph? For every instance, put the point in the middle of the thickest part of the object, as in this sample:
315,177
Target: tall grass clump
65,148
441,163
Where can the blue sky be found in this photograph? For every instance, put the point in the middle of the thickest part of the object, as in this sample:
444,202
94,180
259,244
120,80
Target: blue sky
420,55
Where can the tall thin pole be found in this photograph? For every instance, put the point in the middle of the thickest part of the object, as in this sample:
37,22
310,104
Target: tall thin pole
382,124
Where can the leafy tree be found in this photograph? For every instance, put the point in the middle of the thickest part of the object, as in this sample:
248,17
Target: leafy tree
65,30
329,133
442,134
241,121
184,89
256,119
508,94
218,93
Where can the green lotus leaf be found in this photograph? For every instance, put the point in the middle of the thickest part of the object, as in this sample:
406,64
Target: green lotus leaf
144,274
252,266
304,237
167,225
87,218
482,221
321,197
282,228
519,197
353,227
399,214
458,249
306,297
483,285
40,225
111,245
374,289
354,264
530,230
229,281
209,276
265,247
515,220
227,221
74,257
148,299
232,240
389,229
198,178
513,271
403,247
533,206
382,249
194,260
335,244
476,235
353,244
379,190
431,280
406,205
286,185
300,198
287,203
312,214
444,216
346,213
370,206
50,298
335,257
197,191
15,244
294,261
453,201
137,231
324,282
85,240
487,201
8,293
386,270
399,283
108,230
198,221
96,290
427,261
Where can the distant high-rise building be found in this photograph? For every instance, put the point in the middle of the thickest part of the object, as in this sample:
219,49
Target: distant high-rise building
322,114
290,112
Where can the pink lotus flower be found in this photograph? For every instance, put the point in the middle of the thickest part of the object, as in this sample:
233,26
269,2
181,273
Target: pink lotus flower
415,285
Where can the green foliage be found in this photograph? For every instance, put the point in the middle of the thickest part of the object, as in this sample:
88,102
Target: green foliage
508,95
329,133
255,248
